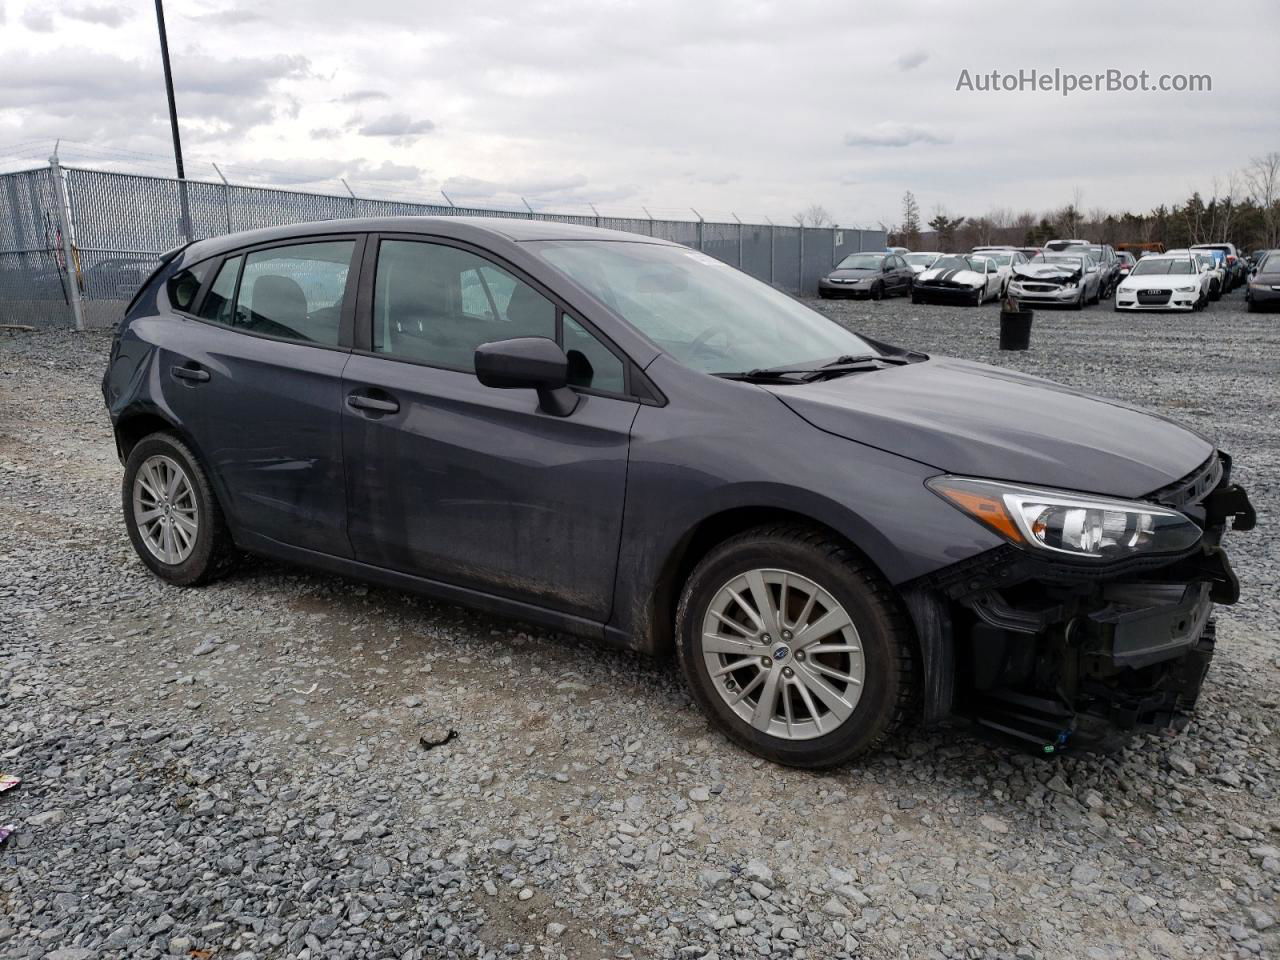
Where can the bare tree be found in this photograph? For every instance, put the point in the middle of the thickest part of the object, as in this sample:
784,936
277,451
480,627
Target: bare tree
910,220
815,215
1262,176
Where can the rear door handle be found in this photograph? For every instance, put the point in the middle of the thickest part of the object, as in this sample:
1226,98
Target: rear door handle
360,401
194,374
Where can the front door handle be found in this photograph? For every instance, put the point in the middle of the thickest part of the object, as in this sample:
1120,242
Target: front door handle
194,374
360,401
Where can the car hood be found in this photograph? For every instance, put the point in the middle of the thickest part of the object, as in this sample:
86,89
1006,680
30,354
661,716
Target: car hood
948,275
1046,271
852,273
1160,281
984,421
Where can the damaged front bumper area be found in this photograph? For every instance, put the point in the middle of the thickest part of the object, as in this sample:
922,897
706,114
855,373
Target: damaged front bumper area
1058,654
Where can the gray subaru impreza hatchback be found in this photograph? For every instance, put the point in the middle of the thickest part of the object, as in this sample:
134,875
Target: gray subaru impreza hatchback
621,438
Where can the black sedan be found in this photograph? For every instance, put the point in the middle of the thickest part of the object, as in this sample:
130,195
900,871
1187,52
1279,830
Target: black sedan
618,437
874,275
1263,291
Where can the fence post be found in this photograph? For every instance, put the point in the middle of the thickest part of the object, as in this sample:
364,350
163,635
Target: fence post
452,209
64,227
650,216
226,197
800,284
735,216
773,233
527,207
700,223
353,196
595,212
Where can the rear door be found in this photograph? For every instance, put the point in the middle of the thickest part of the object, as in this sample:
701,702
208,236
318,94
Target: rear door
477,487
262,374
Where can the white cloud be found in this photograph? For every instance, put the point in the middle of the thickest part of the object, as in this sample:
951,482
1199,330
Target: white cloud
890,134
909,61
102,14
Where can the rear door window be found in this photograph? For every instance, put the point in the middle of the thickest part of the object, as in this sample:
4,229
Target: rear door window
219,301
295,292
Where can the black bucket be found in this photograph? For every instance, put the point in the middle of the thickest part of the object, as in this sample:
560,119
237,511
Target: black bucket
1015,329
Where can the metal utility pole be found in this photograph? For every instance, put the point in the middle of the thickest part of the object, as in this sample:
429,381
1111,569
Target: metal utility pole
173,122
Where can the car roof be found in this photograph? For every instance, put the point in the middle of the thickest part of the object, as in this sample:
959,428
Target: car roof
476,229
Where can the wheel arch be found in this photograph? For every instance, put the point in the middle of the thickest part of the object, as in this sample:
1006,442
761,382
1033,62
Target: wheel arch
136,423
708,533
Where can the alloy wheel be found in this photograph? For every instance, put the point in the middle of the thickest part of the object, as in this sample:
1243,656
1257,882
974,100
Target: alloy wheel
783,654
165,509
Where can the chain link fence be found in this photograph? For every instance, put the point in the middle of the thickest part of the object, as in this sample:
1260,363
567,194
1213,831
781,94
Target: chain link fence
117,224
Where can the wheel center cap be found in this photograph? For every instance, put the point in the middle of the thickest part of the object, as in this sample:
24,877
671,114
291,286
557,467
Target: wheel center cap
781,652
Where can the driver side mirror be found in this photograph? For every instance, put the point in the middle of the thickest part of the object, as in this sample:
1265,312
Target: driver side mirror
535,363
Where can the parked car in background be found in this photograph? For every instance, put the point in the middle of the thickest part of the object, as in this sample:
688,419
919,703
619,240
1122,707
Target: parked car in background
1061,279
1141,249
974,280
1263,290
621,438
1030,252
1126,260
1169,281
1107,262
1005,259
1215,262
1058,246
873,275
919,261
1233,263
897,250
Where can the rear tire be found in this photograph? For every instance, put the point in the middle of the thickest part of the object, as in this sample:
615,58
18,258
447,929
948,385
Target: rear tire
791,727
172,515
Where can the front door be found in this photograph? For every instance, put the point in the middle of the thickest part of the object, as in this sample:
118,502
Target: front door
263,375
477,487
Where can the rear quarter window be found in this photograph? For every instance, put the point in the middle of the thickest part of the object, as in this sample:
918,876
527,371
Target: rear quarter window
184,286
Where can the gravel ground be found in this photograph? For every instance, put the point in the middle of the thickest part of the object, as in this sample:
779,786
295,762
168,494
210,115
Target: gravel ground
243,771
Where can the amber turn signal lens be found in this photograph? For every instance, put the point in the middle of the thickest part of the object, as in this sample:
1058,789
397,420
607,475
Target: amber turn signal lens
987,507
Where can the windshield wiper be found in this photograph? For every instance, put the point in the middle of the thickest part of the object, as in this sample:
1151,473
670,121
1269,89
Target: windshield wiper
837,367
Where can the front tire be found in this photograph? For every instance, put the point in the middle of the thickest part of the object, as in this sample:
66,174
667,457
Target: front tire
824,697
877,291
172,515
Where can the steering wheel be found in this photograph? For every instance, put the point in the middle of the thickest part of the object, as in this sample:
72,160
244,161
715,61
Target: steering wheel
702,341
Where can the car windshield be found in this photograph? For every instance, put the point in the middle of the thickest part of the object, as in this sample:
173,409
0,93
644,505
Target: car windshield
861,261
706,314
1271,264
1000,259
952,263
1058,258
920,259
1148,266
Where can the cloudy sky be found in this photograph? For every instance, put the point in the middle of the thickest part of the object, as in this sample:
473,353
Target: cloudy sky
758,108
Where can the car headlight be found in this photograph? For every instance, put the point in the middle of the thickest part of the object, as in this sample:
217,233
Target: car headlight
1075,524
1187,289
